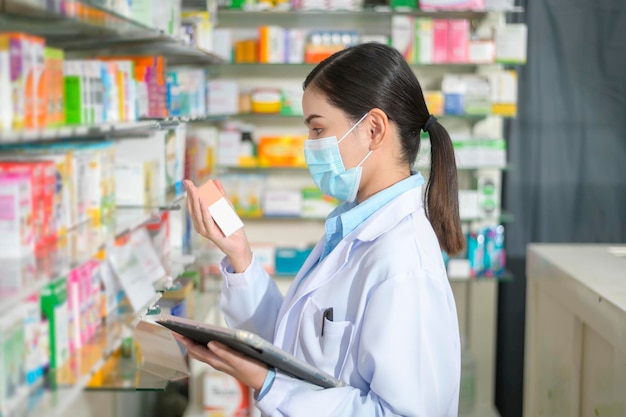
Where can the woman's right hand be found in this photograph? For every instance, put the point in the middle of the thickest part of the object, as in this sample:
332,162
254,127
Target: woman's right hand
236,246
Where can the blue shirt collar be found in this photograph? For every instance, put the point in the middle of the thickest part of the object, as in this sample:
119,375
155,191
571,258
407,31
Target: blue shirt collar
344,219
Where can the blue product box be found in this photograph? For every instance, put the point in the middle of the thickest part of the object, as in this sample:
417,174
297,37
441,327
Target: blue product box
454,104
290,260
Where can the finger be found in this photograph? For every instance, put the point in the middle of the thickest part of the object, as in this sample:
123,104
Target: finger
196,211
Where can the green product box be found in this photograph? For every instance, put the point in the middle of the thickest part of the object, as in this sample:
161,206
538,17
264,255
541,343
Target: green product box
75,104
54,309
12,358
403,4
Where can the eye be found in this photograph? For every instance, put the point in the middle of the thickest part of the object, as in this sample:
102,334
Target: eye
317,130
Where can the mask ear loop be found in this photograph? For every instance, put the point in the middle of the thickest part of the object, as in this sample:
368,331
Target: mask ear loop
353,127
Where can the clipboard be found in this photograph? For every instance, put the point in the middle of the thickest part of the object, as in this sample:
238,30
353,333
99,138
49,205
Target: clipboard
252,345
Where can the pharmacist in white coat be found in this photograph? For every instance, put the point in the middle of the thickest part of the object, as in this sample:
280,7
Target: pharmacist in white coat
372,304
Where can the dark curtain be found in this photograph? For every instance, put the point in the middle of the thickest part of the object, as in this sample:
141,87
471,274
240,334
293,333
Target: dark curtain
567,150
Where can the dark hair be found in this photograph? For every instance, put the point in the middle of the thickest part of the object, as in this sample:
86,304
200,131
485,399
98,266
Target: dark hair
372,75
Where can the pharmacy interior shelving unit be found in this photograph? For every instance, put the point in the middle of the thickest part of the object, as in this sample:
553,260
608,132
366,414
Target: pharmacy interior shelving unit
86,29
476,296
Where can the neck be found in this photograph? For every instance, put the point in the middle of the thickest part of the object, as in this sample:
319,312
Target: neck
383,179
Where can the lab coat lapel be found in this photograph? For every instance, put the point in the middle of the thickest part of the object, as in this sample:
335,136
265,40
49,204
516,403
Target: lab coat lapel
322,273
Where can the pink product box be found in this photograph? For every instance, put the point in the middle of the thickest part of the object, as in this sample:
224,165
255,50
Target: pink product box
91,271
433,5
74,302
440,40
458,41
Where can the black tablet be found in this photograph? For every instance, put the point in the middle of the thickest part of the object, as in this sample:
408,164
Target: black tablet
252,345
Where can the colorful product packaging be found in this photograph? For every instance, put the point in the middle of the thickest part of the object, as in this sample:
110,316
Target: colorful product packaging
32,339
12,360
54,308
16,214
6,111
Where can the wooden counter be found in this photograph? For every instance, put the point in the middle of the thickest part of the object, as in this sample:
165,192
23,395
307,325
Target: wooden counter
575,348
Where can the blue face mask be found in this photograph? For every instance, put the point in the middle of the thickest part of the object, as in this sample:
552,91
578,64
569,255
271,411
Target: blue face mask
327,169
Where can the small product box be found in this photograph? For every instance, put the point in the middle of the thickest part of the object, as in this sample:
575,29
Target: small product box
223,97
18,65
403,36
316,204
440,41
12,360
282,203
224,396
75,93
16,214
54,308
511,41
453,90
74,306
36,93
424,41
290,260
32,339
458,39
6,111
221,211
434,5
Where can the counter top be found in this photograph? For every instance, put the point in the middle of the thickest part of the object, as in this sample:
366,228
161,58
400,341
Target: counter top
599,267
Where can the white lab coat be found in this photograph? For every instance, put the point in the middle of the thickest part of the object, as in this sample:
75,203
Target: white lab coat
394,338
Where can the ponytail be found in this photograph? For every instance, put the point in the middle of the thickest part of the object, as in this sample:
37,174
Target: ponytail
442,190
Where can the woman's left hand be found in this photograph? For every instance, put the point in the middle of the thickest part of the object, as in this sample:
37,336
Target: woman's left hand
247,370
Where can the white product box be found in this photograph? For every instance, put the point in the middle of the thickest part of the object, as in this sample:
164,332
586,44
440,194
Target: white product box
511,41
136,183
228,150
295,46
6,111
223,43
223,97
425,41
468,204
403,35
481,52
282,203
16,225
12,360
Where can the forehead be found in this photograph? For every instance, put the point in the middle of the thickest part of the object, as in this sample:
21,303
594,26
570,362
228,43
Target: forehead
314,101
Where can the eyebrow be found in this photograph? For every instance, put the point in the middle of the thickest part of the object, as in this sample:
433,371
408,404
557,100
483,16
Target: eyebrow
311,117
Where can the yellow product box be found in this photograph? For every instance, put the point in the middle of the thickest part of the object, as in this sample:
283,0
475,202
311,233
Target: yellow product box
266,100
281,151
435,102
6,111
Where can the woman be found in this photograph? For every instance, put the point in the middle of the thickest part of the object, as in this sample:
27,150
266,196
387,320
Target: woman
393,337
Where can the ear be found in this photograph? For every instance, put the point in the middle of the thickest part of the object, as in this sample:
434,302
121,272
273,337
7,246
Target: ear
378,125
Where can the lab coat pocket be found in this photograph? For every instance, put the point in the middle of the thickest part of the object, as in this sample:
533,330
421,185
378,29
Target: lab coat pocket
329,351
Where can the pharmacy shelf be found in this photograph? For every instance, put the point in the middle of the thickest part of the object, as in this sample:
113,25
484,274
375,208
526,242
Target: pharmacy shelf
364,14
298,117
105,130
255,67
66,384
98,30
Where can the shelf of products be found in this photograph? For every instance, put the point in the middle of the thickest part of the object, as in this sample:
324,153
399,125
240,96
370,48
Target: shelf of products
105,130
366,13
85,25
